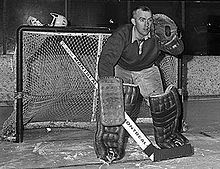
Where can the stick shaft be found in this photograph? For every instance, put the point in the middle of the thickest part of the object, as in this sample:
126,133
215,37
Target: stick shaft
129,125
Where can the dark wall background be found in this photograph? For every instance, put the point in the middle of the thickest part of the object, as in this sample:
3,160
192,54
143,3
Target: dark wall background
192,17
202,28
96,13
15,13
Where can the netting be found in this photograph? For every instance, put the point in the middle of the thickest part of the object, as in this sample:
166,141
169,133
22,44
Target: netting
54,87
56,92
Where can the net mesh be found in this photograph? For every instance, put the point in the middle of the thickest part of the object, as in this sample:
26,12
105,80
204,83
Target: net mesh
55,89
56,92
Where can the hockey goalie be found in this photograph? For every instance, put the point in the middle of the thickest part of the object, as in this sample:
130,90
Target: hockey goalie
117,98
131,53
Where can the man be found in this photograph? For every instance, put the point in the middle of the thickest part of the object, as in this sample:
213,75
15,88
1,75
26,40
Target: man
132,50
130,54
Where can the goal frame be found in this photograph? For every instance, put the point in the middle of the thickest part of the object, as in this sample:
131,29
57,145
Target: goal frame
19,65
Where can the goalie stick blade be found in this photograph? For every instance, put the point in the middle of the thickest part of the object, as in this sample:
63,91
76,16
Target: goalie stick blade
144,143
176,152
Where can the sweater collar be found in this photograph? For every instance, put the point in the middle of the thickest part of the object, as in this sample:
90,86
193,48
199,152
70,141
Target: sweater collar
134,36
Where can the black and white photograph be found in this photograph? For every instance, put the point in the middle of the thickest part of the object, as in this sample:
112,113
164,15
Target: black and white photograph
109,84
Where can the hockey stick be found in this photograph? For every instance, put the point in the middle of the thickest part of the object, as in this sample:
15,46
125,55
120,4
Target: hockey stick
144,143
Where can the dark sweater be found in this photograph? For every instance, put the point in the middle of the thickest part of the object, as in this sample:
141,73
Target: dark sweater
119,50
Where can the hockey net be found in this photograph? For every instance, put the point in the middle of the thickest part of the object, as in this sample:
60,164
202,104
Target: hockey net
55,92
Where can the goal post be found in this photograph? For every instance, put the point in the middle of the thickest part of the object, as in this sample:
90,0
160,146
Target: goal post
51,90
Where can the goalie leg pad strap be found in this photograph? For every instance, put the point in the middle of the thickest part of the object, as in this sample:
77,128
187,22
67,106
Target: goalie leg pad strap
109,142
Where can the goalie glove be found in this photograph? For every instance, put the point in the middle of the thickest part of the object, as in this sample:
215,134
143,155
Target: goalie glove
57,21
165,30
32,21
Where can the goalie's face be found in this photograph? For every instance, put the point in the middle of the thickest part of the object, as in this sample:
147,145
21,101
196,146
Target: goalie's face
142,20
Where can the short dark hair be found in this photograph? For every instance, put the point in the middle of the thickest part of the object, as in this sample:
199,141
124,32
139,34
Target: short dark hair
142,7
